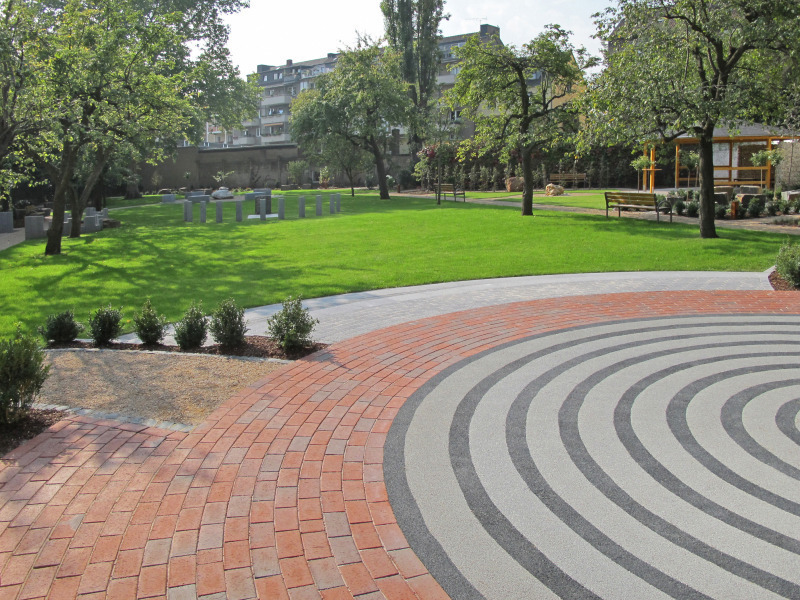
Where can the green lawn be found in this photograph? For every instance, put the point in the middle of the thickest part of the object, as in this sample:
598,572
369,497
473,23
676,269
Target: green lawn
371,244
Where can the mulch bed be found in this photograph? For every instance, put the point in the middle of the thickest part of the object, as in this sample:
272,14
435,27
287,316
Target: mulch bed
34,423
780,284
257,346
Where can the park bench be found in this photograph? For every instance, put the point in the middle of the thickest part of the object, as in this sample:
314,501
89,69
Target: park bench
449,188
636,201
572,178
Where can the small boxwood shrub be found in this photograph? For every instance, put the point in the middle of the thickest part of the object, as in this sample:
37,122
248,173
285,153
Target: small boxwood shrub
720,210
104,325
61,328
771,208
227,324
149,325
692,209
22,375
787,264
756,207
291,327
680,208
191,330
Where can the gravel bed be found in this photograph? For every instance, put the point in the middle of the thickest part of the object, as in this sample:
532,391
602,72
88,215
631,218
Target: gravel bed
162,386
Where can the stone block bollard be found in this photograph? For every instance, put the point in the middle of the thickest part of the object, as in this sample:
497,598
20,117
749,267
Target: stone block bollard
219,211
319,206
301,207
167,198
89,224
338,203
238,211
262,208
7,222
90,211
332,202
188,215
104,213
66,229
203,206
34,228
281,207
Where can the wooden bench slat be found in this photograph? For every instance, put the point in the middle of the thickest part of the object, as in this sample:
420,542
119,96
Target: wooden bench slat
636,201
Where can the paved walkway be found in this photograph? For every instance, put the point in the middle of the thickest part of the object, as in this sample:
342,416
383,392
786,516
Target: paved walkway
634,444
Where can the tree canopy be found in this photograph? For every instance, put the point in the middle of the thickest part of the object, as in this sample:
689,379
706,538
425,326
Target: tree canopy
412,31
120,81
520,99
360,102
677,67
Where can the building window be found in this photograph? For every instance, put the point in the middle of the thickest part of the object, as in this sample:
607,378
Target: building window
455,116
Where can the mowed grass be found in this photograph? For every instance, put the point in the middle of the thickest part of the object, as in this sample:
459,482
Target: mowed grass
370,244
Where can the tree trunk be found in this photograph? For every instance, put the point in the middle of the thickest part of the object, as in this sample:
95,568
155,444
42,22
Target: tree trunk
61,177
527,185
706,168
381,168
77,213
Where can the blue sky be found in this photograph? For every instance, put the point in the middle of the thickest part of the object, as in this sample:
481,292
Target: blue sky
271,32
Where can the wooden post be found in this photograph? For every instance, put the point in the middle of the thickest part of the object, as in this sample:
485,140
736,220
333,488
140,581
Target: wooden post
652,168
769,166
677,165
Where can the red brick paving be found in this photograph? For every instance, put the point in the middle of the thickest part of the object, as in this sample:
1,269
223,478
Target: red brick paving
280,492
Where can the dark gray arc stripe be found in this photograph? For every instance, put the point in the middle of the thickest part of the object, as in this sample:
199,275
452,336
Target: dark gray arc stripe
406,510
676,419
580,456
732,421
526,467
786,420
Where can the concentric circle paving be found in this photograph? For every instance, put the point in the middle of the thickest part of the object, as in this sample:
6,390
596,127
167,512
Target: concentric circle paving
643,458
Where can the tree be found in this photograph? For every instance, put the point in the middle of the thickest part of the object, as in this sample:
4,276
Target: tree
412,31
360,102
341,156
121,84
688,66
520,99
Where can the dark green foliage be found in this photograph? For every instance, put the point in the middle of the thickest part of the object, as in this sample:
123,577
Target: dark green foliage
104,325
771,208
22,374
227,324
149,325
692,209
191,330
680,208
755,206
719,211
788,263
291,327
61,328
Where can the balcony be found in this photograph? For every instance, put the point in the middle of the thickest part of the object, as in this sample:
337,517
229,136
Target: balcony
275,120
276,99
244,141
256,122
281,138
446,79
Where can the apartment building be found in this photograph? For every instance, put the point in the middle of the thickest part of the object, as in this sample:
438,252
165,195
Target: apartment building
281,84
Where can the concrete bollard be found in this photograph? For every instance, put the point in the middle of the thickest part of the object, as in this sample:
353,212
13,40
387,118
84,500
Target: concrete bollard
301,207
219,211
319,206
203,209
262,208
66,230
34,228
332,202
167,198
338,203
7,222
104,213
281,207
238,211
188,215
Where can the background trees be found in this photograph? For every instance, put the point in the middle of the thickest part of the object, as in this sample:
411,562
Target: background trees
360,103
689,66
120,79
520,98
412,31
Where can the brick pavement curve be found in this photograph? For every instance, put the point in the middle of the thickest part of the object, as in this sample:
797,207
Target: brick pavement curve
280,493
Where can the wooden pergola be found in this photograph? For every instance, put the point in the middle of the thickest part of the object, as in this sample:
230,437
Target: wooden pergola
728,173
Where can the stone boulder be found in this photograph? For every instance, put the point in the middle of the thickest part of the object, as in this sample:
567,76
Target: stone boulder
222,194
514,184
553,190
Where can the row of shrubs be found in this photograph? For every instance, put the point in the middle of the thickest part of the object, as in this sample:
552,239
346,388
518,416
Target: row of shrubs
22,361
291,327
753,207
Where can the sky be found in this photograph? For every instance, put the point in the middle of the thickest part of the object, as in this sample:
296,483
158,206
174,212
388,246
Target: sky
269,32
